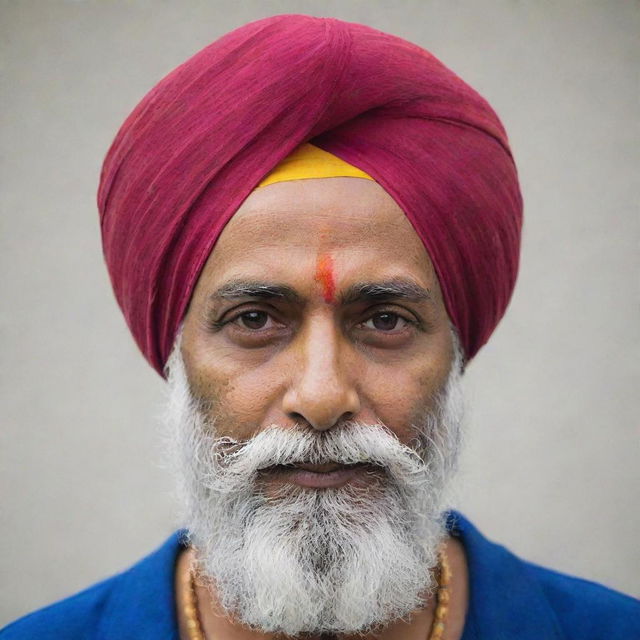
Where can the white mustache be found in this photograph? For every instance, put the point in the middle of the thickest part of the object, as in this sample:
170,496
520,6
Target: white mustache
347,444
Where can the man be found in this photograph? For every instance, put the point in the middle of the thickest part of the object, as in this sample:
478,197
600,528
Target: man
310,227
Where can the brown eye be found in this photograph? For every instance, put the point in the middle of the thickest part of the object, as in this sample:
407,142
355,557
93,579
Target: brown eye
254,320
386,321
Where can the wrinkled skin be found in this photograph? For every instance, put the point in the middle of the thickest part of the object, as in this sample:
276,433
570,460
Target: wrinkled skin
316,359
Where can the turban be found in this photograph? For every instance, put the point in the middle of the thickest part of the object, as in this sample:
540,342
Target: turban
208,133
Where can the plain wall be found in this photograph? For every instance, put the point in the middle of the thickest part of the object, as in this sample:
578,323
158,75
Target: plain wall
551,465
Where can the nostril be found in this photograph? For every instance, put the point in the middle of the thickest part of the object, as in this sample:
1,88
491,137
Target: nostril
320,409
300,421
298,417
321,423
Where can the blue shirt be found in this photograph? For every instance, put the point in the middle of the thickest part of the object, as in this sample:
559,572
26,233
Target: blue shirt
509,599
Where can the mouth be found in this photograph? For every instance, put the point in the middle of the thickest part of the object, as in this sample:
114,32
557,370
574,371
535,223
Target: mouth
319,476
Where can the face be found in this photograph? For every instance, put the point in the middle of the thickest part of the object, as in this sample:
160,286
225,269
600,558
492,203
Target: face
316,411
318,305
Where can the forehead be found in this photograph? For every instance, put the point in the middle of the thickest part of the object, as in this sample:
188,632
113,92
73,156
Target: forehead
286,227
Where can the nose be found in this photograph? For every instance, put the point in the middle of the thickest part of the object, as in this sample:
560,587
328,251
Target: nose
321,392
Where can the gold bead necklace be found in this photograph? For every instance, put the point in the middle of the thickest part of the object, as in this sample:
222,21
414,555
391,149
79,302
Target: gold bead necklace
190,609
443,598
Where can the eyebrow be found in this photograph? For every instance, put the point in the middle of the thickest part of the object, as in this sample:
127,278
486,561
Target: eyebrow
397,289
237,289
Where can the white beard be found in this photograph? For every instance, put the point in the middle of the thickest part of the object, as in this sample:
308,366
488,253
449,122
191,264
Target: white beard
340,560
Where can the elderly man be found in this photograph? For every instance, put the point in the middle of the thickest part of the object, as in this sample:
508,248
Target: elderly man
310,227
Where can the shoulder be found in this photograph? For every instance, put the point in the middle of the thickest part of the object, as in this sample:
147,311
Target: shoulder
586,609
137,603
513,598
73,617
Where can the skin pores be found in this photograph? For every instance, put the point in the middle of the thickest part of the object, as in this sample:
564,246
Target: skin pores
318,304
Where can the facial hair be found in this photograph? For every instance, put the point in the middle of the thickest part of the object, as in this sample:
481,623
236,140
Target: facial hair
313,561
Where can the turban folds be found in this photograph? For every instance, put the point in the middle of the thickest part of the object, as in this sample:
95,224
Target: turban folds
207,134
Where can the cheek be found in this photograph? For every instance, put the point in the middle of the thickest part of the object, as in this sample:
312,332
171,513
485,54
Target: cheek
238,397
400,396
249,401
393,401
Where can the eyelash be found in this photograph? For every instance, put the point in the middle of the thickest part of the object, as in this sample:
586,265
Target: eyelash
216,325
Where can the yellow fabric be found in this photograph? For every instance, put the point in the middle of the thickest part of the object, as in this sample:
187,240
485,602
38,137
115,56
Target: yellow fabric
309,161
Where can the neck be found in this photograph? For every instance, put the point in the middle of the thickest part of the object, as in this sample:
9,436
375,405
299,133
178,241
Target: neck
219,625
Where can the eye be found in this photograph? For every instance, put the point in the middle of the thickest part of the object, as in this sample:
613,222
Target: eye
254,320
386,321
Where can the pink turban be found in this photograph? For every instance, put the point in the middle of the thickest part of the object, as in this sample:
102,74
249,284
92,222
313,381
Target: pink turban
202,139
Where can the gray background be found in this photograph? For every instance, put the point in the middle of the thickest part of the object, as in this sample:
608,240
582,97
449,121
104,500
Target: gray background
551,466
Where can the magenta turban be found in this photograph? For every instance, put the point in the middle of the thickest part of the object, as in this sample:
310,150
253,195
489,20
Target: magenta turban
202,139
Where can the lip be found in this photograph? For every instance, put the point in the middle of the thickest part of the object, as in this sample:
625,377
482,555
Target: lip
320,476
323,468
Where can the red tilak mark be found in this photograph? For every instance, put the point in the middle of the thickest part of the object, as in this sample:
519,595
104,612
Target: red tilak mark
324,275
